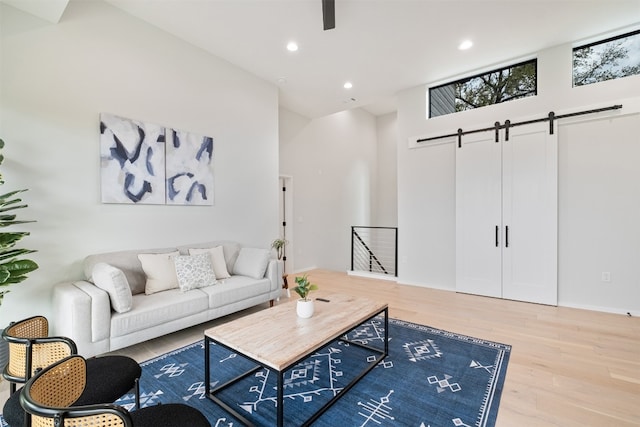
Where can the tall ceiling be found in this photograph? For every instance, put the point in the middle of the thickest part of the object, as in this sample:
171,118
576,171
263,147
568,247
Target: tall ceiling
381,46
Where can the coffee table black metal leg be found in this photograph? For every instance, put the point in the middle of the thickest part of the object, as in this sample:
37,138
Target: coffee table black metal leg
280,401
386,331
280,386
207,379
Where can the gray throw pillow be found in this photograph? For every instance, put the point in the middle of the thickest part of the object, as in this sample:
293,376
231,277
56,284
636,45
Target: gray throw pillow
113,281
252,262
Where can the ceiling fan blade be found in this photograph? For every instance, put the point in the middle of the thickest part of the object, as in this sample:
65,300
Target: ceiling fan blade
329,14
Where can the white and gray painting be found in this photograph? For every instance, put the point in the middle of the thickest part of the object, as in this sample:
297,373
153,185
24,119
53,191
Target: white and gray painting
188,168
144,163
132,157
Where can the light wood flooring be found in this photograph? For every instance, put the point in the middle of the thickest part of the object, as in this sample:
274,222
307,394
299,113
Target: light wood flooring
568,367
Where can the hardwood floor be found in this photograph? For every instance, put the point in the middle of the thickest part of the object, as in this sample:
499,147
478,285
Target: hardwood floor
568,367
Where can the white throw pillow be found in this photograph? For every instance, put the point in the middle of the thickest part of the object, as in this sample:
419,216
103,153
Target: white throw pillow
194,271
160,271
114,282
252,262
217,260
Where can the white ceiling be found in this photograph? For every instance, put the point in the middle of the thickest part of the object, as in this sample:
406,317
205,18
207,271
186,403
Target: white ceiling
381,46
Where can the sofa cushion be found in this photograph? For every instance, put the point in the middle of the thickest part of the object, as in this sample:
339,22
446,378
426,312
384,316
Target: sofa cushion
217,259
194,271
160,271
114,282
252,262
231,250
234,289
128,262
162,307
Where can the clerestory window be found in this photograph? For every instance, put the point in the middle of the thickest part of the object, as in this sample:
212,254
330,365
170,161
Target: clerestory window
613,58
494,87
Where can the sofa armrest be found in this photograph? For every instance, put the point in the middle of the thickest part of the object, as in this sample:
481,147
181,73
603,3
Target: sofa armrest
275,270
82,312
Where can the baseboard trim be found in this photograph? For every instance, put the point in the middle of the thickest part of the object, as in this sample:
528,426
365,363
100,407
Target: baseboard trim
372,275
304,270
426,285
601,309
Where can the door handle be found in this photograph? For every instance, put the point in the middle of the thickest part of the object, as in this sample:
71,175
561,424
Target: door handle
497,231
506,236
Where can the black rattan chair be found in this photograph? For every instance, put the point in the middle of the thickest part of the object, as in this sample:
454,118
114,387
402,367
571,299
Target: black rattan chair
51,394
31,349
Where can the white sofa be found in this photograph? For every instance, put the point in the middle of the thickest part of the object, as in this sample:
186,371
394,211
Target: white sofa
86,311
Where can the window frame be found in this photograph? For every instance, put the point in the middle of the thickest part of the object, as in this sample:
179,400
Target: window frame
596,43
533,61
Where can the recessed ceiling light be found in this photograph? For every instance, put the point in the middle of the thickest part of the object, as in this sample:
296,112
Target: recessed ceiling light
465,45
292,46
348,85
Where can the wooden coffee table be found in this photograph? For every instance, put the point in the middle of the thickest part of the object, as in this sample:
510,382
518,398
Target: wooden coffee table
277,339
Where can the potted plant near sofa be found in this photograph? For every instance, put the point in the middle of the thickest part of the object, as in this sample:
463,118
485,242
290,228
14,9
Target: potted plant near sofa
279,244
305,305
13,269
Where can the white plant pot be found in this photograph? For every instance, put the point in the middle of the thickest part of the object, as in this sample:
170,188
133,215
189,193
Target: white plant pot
305,308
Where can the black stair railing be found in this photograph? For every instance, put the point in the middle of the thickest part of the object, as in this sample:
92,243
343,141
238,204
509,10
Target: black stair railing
372,256
374,249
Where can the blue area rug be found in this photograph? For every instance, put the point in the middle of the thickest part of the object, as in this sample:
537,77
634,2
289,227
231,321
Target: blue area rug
431,378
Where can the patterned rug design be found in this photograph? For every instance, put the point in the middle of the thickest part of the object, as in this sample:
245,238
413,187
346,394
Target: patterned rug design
431,378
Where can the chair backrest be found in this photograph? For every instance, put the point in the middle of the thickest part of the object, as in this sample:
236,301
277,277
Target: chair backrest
50,394
33,327
61,384
31,349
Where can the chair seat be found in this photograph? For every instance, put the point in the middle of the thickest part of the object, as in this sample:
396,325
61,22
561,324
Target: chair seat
12,412
169,415
108,379
165,415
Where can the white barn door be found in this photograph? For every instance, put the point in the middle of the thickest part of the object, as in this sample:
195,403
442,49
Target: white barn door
530,214
507,214
478,215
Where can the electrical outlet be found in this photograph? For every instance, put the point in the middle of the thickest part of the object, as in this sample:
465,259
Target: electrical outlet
606,276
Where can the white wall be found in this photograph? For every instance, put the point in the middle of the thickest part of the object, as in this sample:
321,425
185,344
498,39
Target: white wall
599,207
56,79
587,184
333,162
386,212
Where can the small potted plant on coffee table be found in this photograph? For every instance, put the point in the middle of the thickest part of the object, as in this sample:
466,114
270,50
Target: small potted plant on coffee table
305,305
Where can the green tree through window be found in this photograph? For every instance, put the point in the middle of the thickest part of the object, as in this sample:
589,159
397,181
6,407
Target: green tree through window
607,59
518,81
505,84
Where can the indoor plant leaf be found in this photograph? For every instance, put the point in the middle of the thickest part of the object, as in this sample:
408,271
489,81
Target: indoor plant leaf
4,276
12,269
9,239
15,271
6,254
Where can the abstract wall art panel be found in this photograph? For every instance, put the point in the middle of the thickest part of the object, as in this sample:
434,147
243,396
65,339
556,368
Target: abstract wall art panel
132,161
188,168
144,163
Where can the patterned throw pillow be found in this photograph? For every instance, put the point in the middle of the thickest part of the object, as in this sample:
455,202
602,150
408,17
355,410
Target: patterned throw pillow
217,260
194,271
